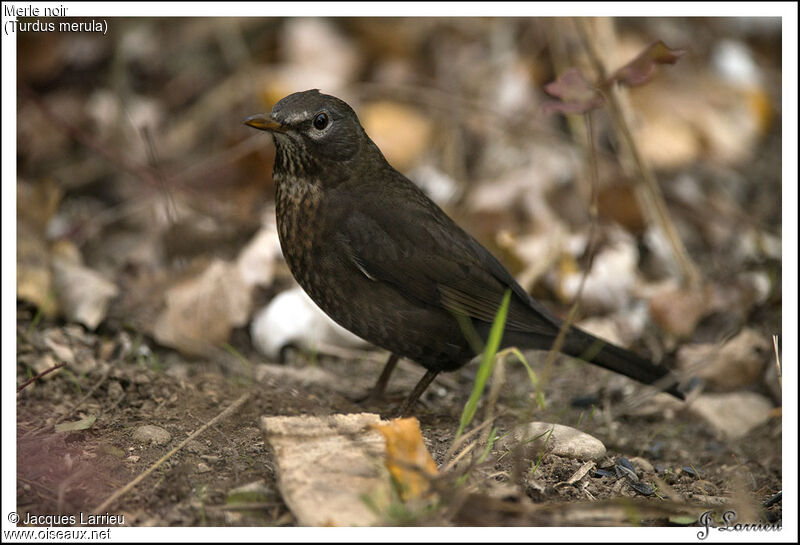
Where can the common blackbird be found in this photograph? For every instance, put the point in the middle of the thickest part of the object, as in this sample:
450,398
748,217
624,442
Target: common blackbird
384,261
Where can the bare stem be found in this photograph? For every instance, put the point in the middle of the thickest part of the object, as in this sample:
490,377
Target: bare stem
648,191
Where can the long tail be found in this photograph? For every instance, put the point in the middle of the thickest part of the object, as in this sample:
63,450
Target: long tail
582,345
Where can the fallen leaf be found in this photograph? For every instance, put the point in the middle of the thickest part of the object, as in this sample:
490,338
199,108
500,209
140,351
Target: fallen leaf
678,310
82,424
34,277
732,415
201,312
83,294
401,132
407,458
741,361
575,93
641,69
256,262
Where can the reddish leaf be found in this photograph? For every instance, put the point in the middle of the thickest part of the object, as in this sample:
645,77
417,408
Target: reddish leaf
576,95
642,68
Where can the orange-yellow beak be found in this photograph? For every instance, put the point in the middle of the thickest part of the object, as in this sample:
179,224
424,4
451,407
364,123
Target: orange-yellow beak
263,122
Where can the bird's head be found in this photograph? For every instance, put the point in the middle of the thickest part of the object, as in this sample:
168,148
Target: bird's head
312,131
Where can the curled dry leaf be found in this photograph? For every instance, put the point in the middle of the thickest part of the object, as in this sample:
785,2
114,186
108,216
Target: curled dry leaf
641,69
34,278
739,362
83,293
201,311
678,310
37,203
732,415
611,281
575,93
78,425
256,262
401,132
407,458
314,55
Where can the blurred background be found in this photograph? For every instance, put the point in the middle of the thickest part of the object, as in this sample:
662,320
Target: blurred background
148,259
142,199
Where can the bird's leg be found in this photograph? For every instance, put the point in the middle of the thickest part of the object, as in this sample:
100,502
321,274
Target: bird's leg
421,386
380,386
377,391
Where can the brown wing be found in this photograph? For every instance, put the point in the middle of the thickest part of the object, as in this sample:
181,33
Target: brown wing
427,257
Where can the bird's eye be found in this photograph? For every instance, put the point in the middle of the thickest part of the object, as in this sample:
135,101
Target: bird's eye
320,121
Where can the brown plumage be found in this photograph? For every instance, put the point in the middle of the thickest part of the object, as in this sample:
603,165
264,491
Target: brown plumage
384,261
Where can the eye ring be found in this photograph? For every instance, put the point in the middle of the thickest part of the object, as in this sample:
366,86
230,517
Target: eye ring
320,121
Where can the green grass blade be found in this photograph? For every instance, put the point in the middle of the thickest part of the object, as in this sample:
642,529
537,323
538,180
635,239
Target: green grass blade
487,364
532,376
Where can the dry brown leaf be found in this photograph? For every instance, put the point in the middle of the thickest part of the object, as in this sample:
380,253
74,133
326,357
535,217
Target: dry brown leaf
401,132
36,205
704,117
641,69
677,310
610,282
83,294
201,312
256,262
38,202
34,278
576,94
407,458
739,362
733,415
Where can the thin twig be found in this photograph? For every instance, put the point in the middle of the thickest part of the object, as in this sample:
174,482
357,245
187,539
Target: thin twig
40,375
461,440
648,191
128,487
466,450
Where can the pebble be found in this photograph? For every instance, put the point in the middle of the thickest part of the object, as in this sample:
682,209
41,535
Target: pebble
564,441
732,415
152,435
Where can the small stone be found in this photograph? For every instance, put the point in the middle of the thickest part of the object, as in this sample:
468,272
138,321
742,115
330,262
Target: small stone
564,441
203,467
739,362
152,435
114,389
733,415
643,465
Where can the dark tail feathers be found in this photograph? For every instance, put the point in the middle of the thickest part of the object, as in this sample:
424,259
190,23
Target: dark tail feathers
582,345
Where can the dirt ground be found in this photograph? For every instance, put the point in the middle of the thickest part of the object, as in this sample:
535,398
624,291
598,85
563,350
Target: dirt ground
147,182
74,472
